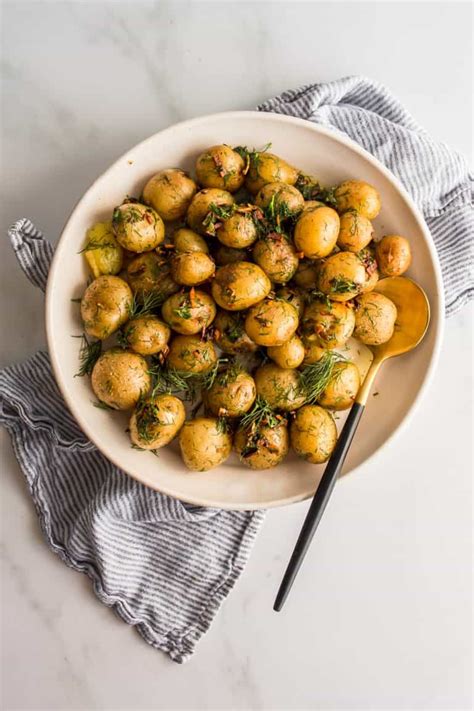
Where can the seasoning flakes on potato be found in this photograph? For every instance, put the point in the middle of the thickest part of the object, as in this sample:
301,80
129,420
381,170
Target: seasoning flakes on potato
243,306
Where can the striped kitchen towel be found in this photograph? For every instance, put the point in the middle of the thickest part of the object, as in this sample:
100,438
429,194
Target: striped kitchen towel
164,566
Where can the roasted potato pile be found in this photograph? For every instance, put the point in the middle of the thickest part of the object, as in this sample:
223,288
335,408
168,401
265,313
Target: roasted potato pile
236,291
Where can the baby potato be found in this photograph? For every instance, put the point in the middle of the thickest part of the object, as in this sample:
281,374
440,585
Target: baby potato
229,255
119,378
375,317
169,192
146,335
289,354
282,199
271,322
280,387
313,434
312,353
393,255
230,334
240,285
342,389
106,306
232,394
204,444
238,231
316,232
189,313
355,232
306,276
190,354
191,268
103,253
275,254
186,240
263,448
201,205
294,296
220,167
138,228
156,421
327,325
268,168
342,276
360,196
311,204
149,274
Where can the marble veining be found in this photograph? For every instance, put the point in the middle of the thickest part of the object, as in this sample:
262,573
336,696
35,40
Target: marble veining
379,617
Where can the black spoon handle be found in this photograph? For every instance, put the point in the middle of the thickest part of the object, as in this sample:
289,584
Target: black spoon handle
321,498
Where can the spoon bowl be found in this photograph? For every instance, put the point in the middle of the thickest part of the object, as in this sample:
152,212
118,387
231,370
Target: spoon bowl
413,317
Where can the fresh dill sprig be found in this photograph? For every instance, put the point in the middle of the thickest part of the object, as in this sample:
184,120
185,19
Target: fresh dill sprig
308,186
223,425
316,295
215,216
316,377
101,405
341,285
95,244
261,414
150,302
88,355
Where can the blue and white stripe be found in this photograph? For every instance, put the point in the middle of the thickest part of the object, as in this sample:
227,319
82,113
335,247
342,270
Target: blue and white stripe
165,566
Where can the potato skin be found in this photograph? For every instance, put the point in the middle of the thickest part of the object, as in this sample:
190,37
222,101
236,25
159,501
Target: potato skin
192,268
276,255
190,354
203,444
105,306
229,255
356,231
220,167
285,198
119,378
289,354
271,322
341,391
393,254
201,205
327,325
375,317
312,353
231,394
263,449
170,193
268,168
156,421
230,334
294,297
185,240
316,232
238,231
149,273
280,387
306,276
188,314
105,259
240,285
342,276
360,196
313,434
138,228
146,335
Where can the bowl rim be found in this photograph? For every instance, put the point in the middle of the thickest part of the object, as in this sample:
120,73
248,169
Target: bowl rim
338,136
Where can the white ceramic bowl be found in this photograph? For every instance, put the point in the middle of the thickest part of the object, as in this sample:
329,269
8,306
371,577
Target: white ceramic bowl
330,157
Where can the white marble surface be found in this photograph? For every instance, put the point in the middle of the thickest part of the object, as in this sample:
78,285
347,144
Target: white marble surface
381,615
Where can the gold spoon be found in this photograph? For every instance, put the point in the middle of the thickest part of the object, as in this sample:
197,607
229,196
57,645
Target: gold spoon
413,317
